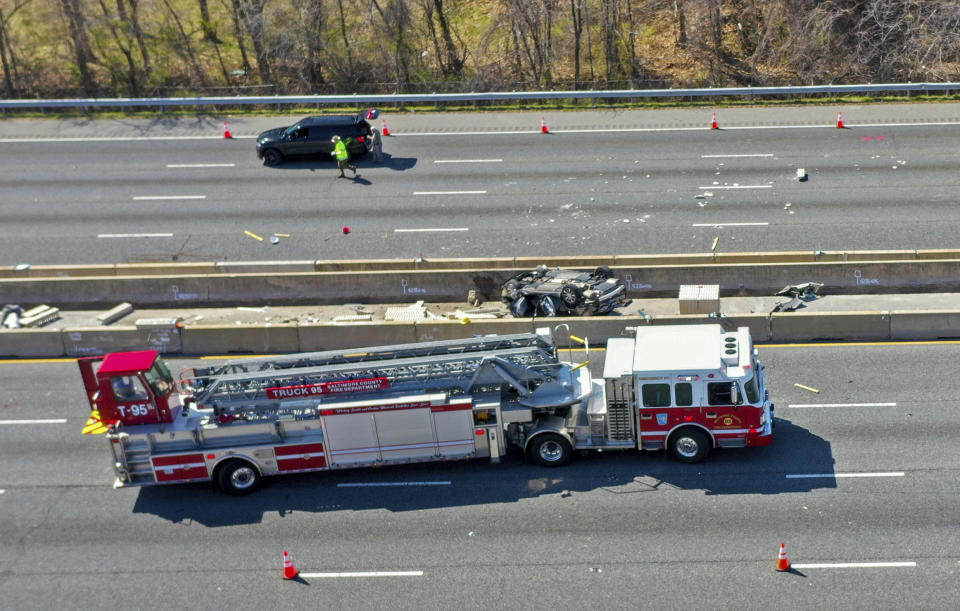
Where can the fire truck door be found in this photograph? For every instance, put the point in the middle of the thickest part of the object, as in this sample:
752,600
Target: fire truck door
351,439
88,371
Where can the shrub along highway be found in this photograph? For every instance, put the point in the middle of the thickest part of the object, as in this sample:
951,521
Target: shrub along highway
486,184
861,484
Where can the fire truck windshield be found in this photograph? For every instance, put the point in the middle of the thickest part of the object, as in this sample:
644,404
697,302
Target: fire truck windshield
752,390
159,378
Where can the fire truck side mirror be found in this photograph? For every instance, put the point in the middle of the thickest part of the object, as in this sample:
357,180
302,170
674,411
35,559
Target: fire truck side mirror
734,393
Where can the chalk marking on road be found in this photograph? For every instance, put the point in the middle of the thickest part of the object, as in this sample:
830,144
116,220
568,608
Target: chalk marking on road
733,156
134,235
141,198
2,491
434,229
736,187
46,421
449,192
201,165
853,565
839,475
383,484
363,574
730,224
841,405
467,160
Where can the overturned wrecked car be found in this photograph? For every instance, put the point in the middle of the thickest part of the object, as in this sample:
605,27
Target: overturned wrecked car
558,292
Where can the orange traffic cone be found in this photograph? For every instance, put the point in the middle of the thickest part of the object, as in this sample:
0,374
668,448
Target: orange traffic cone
386,130
839,120
226,131
783,563
713,122
289,571
543,126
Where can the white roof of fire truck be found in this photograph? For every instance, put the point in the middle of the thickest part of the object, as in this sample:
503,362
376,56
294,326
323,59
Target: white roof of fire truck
681,349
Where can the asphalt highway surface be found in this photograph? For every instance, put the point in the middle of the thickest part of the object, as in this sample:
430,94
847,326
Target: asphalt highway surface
487,185
861,484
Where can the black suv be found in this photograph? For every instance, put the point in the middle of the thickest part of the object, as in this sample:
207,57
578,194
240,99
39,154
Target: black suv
311,136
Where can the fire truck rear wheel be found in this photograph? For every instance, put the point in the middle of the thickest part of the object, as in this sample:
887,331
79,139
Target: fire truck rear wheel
238,477
550,450
689,445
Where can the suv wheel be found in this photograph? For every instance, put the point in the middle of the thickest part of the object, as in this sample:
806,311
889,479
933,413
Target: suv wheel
272,157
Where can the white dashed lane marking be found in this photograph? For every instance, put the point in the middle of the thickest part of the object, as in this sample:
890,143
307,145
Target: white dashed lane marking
364,574
48,421
791,405
736,156
853,565
134,235
839,475
383,484
712,187
449,192
140,198
435,229
730,224
201,165
467,160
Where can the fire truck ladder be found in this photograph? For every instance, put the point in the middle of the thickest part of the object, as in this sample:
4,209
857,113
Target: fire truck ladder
239,388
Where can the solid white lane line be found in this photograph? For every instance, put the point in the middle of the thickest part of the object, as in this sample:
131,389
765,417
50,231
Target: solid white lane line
431,229
381,484
852,565
735,156
730,224
120,139
467,160
841,405
736,187
134,235
365,574
155,197
48,421
449,192
839,475
201,165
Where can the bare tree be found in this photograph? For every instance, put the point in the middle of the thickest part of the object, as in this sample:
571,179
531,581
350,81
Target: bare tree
396,20
250,14
576,17
7,57
81,46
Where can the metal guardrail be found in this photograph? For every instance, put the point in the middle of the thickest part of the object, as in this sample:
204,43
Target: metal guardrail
908,88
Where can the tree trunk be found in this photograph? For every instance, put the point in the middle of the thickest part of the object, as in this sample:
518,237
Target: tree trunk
125,46
4,61
253,20
681,16
314,46
81,46
346,41
454,59
237,17
576,14
187,49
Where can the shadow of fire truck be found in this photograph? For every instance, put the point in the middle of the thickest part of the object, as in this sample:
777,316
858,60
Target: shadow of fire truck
782,468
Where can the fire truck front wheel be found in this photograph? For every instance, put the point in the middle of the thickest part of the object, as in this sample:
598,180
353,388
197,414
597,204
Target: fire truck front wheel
550,450
238,477
689,445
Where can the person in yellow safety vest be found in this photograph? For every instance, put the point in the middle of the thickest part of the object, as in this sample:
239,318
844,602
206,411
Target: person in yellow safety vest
340,152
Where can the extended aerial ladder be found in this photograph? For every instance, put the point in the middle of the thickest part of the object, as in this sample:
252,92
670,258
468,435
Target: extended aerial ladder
525,365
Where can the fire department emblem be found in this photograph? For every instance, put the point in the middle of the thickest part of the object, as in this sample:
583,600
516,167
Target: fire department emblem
730,421
662,419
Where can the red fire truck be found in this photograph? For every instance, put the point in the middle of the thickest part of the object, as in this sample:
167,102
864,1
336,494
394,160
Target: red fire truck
683,389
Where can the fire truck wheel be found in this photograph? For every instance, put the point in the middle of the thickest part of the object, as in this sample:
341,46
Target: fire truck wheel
238,477
550,450
689,445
